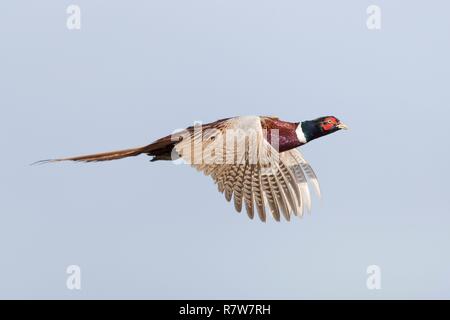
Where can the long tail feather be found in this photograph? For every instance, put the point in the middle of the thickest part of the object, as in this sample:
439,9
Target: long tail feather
159,149
106,156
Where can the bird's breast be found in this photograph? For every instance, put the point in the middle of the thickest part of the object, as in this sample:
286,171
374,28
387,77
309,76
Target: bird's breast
280,133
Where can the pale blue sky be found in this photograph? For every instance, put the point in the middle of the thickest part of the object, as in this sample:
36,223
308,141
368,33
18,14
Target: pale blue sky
135,72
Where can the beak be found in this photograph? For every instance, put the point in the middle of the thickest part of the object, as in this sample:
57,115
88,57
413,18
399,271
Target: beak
342,126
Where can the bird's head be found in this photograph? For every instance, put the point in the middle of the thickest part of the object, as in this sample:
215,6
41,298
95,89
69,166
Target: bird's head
313,129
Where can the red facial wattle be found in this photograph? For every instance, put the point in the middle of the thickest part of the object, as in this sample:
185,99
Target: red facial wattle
329,123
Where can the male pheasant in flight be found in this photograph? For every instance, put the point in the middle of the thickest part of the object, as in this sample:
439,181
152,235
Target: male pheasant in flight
252,159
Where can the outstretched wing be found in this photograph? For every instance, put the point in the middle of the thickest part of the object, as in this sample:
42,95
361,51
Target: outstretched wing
301,168
303,174
247,168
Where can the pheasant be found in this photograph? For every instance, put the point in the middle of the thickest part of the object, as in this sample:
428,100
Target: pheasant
254,160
